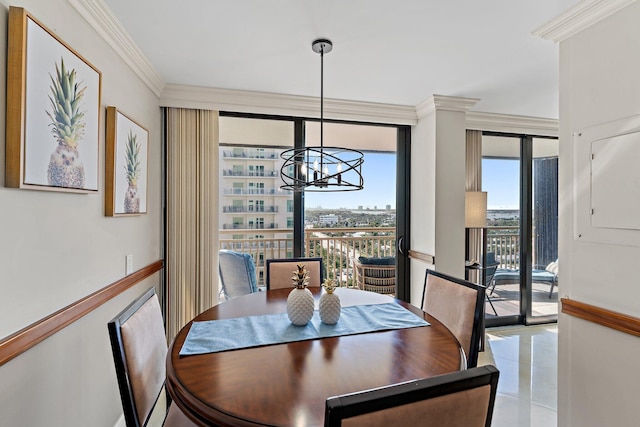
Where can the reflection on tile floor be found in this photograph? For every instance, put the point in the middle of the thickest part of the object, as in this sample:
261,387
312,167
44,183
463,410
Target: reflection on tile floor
527,389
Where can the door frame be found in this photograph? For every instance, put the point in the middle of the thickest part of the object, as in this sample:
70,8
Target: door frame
403,179
525,315
403,213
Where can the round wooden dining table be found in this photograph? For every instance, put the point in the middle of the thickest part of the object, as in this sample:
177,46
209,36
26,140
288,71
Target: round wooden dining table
288,384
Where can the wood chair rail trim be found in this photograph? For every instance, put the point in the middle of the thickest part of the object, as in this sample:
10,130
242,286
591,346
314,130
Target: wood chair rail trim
602,316
21,341
429,259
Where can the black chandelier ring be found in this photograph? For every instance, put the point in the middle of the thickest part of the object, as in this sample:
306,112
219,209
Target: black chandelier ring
322,168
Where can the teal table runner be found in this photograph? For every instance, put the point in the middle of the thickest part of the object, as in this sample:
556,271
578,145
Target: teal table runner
243,332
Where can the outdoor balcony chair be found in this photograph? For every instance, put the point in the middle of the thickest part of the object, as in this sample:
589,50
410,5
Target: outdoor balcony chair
237,274
375,274
548,275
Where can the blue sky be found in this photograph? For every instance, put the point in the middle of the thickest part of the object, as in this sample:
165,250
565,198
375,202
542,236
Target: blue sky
500,180
379,174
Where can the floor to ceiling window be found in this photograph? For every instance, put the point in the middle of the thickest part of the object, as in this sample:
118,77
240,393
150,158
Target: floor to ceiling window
256,216
544,230
520,175
342,226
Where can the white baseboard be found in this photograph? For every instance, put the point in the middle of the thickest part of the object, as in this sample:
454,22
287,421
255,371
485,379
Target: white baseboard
120,422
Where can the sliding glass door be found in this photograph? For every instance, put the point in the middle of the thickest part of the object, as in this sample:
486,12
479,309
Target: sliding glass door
344,226
501,181
543,293
256,216
519,173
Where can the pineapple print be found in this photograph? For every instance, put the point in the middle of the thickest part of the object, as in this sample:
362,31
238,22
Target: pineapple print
67,126
133,169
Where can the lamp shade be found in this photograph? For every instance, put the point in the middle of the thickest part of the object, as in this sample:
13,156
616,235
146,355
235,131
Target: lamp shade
475,209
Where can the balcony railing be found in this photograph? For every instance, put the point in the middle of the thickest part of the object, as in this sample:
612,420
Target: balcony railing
337,247
505,243
256,192
243,226
251,173
250,209
251,154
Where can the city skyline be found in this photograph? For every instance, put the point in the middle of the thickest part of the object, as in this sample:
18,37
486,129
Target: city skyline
379,174
500,180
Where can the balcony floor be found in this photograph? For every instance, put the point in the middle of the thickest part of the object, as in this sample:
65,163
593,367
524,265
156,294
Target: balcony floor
506,300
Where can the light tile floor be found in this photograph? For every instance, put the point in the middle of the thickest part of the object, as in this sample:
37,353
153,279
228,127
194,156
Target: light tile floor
527,389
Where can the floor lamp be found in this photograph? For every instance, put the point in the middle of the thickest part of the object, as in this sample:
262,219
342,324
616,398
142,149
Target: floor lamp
475,217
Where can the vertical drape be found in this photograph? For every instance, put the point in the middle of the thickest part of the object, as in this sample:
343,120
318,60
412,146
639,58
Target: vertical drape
192,215
474,161
545,211
473,179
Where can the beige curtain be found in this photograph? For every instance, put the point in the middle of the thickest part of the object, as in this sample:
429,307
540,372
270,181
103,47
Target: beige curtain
474,161
192,215
473,175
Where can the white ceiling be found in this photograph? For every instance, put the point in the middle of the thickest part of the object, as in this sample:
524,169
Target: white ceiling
394,52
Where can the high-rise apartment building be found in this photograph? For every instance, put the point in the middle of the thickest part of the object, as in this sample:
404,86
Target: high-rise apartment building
256,216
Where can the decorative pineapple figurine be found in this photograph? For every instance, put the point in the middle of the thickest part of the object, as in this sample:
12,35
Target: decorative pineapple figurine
329,304
300,301
67,126
133,169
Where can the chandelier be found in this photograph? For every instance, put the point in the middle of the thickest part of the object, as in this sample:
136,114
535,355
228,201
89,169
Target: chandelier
322,168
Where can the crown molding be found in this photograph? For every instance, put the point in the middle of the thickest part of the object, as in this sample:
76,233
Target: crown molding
206,98
441,102
579,17
105,23
512,124
181,96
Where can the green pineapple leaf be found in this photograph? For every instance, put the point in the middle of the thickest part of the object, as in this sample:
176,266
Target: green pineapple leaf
67,124
132,156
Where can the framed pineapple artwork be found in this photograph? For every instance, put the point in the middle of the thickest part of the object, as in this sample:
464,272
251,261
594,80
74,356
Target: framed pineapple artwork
53,111
126,165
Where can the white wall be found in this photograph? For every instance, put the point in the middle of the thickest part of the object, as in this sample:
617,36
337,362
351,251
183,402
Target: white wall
450,192
56,248
437,195
599,379
423,198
